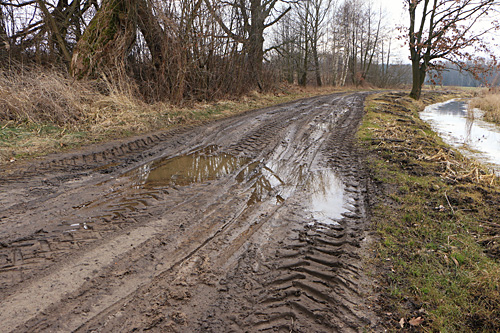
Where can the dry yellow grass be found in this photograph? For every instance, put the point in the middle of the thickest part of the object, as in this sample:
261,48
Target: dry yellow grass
489,102
43,111
36,96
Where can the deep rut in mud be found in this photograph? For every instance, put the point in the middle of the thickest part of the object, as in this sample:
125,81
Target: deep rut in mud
255,222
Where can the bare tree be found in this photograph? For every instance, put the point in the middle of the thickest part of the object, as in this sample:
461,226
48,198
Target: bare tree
445,29
369,42
303,26
107,39
285,41
320,10
50,27
341,43
310,18
254,17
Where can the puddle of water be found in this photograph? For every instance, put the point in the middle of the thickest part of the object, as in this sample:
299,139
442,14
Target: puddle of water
478,139
196,167
328,200
272,181
276,181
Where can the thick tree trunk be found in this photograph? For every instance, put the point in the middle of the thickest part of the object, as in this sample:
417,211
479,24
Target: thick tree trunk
152,32
256,42
316,66
107,39
418,71
255,58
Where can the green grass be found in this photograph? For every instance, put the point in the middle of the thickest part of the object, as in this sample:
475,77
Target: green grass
433,258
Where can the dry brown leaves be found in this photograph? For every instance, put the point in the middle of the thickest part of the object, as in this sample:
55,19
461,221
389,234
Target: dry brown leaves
460,171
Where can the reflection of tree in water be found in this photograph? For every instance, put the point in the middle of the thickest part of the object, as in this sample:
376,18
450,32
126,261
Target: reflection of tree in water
452,108
327,199
275,179
141,174
184,170
320,182
261,189
469,121
278,179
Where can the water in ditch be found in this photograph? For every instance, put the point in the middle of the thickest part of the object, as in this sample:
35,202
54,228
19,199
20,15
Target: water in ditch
471,135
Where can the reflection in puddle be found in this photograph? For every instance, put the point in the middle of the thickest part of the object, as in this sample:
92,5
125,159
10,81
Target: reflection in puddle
277,181
450,120
271,181
327,200
196,167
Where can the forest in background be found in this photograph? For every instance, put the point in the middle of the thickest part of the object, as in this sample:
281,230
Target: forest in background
204,49
452,75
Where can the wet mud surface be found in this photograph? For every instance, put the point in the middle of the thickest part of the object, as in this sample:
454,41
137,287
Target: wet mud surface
252,223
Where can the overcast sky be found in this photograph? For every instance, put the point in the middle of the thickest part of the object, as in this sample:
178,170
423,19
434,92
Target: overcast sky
396,16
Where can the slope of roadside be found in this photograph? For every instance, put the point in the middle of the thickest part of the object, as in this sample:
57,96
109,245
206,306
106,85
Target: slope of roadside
436,215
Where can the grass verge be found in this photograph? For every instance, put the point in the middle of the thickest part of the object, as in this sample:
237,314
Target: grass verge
489,102
436,214
43,111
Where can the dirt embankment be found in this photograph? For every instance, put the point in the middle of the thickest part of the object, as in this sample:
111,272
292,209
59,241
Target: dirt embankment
254,222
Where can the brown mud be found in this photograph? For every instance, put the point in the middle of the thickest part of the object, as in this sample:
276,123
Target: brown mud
256,222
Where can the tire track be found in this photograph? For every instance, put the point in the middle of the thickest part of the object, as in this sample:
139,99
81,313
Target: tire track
243,249
313,280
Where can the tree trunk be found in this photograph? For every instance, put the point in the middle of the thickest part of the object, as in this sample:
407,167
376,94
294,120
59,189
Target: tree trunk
152,32
316,66
107,39
255,57
305,64
56,33
418,72
4,41
256,42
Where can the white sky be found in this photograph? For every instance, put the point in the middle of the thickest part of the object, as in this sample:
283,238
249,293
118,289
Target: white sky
396,16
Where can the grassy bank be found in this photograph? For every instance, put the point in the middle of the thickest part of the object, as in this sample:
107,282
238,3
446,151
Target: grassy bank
44,111
436,214
489,102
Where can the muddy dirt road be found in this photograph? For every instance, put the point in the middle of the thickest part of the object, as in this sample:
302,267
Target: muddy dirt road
255,222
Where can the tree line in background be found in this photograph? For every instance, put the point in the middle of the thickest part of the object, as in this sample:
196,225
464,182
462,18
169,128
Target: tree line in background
453,75
336,43
202,49
208,49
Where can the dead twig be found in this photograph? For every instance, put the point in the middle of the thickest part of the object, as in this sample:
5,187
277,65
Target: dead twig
449,204
491,223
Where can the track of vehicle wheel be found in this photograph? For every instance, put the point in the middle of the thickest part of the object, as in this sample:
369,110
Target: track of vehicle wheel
231,245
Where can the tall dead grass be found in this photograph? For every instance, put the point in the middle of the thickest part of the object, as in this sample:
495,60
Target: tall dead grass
33,96
43,110
489,102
